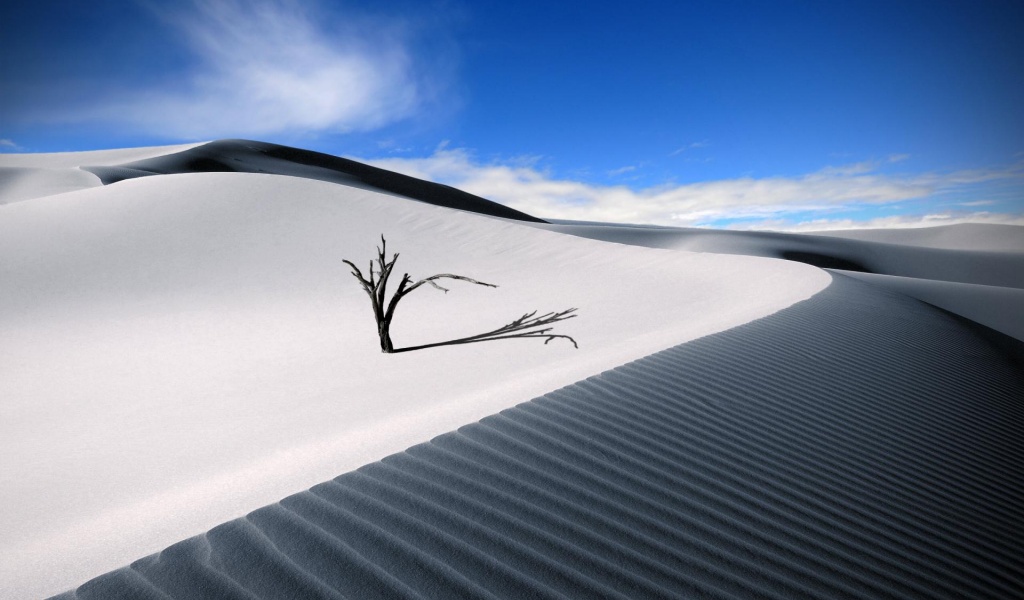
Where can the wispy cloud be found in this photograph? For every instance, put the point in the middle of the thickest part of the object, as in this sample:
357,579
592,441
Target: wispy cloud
901,221
830,189
8,144
270,66
690,146
622,170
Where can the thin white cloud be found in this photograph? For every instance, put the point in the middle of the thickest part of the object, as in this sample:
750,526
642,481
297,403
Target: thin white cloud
859,168
832,188
901,221
270,66
8,143
622,170
690,146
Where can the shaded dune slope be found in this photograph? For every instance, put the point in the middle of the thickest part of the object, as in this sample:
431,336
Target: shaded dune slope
245,156
858,444
999,308
983,267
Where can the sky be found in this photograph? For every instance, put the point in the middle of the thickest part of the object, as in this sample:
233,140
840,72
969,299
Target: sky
786,115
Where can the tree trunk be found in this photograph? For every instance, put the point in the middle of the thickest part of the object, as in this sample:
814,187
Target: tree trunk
384,330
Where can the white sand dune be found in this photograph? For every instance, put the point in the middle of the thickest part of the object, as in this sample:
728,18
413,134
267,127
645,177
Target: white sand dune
184,346
25,183
73,160
27,176
182,349
248,156
808,454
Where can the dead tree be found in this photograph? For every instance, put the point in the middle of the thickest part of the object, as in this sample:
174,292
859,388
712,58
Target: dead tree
526,326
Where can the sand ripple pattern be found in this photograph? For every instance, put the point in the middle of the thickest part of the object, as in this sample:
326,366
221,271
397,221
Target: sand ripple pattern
858,444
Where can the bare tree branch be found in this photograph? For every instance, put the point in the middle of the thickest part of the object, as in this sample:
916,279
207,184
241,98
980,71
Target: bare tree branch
431,280
509,331
525,326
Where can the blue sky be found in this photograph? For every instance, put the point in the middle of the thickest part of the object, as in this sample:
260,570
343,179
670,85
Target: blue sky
771,114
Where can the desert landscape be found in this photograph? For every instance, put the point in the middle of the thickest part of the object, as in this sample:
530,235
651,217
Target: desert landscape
470,299
748,414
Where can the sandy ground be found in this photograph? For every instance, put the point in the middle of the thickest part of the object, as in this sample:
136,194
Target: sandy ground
183,349
859,444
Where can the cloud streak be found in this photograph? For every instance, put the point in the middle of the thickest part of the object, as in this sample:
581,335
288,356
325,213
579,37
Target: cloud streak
690,146
896,221
622,170
830,189
272,66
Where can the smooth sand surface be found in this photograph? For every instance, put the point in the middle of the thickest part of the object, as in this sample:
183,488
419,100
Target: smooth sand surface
27,176
69,160
182,349
859,444
24,183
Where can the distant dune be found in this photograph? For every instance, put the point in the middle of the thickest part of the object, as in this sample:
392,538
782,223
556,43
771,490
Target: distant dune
27,176
749,414
978,264
245,156
975,271
965,236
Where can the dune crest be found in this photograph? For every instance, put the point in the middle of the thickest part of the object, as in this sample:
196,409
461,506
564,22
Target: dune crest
247,156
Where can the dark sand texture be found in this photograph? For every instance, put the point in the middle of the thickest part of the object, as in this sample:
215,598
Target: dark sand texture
999,308
245,156
858,444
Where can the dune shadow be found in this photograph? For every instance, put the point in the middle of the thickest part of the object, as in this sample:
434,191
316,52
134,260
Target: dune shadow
823,261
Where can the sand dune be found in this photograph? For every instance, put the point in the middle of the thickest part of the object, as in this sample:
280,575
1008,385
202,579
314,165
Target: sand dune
72,160
246,156
1000,308
963,236
190,347
27,176
23,183
806,454
1004,268
184,346
975,271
